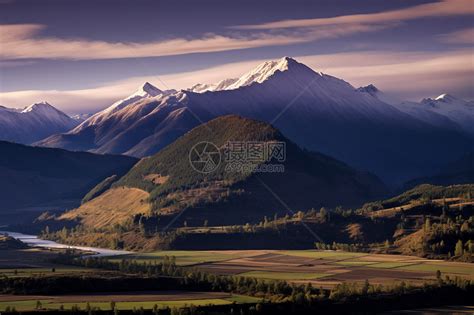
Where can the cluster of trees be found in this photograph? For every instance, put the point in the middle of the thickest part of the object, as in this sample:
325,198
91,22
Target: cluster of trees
348,247
452,237
196,279
279,296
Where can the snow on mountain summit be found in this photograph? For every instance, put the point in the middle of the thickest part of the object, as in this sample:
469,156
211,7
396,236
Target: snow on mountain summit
444,99
145,91
148,89
34,122
259,74
266,70
42,107
263,72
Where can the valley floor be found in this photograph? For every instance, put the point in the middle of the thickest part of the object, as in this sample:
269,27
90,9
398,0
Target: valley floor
324,270
321,268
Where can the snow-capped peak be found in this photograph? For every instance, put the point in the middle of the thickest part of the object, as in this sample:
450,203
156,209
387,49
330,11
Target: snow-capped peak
266,70
148,88
446,98
221,85
295,71
39,106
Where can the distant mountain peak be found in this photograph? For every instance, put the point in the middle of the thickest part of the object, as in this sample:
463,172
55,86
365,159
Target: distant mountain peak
39,106
371,89
260,74
443,98
446,98
268,69
145,90
150,89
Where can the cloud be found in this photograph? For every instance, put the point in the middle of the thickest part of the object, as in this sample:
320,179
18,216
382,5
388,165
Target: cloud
464,36
437,9
411,75
22,41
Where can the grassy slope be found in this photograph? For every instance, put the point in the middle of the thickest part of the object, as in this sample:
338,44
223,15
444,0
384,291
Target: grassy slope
423,192
115,206
100,188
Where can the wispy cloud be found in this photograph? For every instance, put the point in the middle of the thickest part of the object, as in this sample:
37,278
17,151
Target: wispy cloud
437,9
22,41
464,36
25,41
410,75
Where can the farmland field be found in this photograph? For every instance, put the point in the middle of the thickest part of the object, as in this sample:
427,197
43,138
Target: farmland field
322,268
123,301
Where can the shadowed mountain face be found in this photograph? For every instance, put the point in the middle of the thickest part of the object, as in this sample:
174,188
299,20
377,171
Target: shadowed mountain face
225,196
460,171
33,176
316,111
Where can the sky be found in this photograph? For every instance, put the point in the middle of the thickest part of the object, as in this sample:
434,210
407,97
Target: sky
81,56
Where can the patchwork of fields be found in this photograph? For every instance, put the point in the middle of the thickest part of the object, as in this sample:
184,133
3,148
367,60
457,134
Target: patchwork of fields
321,268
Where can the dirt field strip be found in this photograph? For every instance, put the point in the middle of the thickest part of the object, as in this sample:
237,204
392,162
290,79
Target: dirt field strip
121,297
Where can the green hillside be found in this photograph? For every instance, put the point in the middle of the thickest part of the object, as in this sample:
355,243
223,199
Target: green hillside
165,192
230,197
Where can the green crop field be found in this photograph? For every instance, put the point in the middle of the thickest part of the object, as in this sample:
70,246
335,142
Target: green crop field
390,265
354,263
183,258
332,255
284,275
444,267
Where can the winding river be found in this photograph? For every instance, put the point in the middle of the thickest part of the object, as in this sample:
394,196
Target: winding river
34,241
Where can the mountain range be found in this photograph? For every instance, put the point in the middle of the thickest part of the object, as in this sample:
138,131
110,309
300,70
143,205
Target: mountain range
319,112
33,123
445,110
